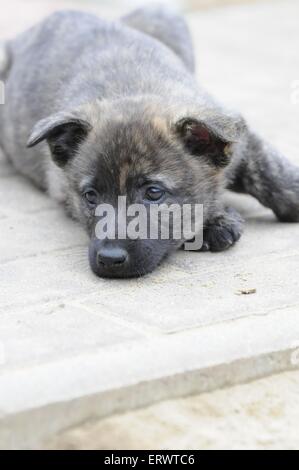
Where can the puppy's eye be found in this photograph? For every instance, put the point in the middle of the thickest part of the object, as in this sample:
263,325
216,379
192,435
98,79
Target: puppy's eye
154,194
91,197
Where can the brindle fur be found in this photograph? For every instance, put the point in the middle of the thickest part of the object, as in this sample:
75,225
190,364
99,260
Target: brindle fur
115,105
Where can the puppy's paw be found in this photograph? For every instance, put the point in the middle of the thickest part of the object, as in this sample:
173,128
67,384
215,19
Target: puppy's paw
223,232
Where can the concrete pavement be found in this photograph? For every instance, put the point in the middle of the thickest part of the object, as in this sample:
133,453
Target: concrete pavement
74,347
261,415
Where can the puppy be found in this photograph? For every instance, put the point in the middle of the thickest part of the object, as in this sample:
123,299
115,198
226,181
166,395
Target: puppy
111,109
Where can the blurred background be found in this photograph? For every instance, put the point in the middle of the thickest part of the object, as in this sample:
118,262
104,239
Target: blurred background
31,10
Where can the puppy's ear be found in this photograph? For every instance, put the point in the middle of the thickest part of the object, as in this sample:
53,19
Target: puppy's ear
64,132
211,139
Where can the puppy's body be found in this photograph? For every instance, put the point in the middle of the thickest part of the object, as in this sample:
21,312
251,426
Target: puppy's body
116,107
72,59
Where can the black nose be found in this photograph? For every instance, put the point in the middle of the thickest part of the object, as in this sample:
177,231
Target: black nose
111,256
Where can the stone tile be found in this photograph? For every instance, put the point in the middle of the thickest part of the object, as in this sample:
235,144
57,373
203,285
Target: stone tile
209,294
46,278
33,234
18,197
50,331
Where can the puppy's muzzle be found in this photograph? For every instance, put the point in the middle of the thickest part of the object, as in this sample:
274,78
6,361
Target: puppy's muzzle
111,256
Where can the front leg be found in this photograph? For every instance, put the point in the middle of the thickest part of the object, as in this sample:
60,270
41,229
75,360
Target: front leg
222,231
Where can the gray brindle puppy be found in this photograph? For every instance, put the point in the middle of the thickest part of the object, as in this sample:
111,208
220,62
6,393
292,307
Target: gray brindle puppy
97,109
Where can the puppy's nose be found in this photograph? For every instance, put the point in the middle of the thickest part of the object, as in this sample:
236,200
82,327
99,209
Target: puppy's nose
111,256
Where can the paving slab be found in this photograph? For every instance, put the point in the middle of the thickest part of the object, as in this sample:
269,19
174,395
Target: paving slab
73,346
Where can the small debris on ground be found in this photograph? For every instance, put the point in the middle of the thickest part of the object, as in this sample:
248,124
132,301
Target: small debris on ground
246,291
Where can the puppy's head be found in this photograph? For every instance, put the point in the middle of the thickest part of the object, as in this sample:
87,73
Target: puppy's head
124,158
